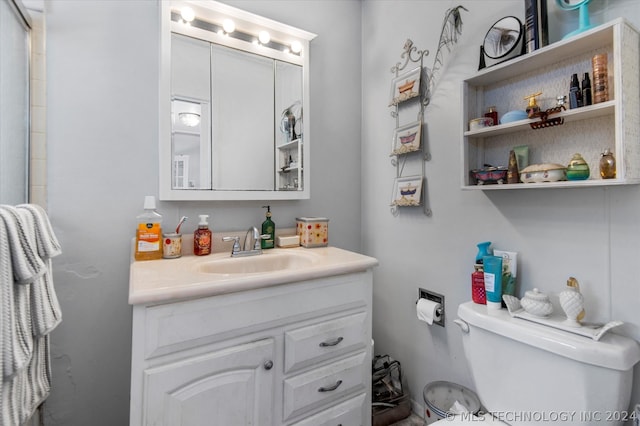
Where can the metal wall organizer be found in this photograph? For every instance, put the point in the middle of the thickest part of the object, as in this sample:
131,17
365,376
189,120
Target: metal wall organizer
409,91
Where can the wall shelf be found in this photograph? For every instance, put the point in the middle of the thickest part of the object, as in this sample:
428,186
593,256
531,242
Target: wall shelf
589,130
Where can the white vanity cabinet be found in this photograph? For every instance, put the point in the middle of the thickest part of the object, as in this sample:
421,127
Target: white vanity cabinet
588,130
291,354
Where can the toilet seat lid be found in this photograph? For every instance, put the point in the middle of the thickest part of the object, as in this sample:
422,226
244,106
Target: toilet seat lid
467,419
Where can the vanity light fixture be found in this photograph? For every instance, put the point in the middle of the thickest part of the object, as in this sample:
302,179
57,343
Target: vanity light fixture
189,119
227,28
187,14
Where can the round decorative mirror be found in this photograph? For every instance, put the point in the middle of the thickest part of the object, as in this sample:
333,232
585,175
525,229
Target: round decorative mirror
582,5
503,37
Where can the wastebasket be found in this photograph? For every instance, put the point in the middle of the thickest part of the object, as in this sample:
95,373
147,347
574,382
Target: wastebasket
440,396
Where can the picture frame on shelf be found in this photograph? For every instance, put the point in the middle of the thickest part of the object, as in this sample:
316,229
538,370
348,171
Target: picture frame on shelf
407,191
407,138
405,86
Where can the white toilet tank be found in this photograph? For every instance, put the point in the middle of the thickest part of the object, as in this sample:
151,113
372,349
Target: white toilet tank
527,374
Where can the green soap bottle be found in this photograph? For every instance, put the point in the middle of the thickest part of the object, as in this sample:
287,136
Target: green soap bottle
268,228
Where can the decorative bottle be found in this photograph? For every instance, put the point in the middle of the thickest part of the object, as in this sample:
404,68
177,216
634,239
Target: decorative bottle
493,114
607,165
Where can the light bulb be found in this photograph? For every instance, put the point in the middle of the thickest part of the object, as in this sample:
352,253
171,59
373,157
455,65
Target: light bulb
229,26
187,14
296,47
189,119
264,37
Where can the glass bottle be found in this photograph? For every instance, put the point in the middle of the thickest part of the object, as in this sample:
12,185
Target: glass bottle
493,114
578,169
607,165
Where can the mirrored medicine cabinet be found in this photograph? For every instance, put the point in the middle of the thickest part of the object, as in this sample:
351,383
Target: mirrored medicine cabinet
234,105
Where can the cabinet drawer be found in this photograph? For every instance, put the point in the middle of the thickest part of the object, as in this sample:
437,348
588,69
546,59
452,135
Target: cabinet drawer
325,384
349,413
307,345
182,325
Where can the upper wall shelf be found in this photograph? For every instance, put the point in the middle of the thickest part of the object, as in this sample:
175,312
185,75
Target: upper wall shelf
614,124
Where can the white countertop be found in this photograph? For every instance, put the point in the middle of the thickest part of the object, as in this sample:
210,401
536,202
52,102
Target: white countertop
164,280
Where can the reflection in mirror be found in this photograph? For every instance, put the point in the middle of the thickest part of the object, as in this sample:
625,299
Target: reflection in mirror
242,90
502,37
14,103
190,149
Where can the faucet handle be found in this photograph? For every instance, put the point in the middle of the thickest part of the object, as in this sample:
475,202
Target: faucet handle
236,243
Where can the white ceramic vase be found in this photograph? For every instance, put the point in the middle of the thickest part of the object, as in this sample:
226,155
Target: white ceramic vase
572,302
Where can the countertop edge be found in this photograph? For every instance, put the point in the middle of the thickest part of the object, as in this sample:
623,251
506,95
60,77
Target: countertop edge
245,283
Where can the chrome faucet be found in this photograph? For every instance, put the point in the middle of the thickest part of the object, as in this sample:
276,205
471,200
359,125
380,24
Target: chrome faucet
247,250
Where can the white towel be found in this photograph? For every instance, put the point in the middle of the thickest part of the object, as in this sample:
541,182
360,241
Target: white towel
45,308
20,265
30,310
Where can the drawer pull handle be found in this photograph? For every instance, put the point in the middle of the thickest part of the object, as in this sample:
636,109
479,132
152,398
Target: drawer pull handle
331,342
268,365
330,388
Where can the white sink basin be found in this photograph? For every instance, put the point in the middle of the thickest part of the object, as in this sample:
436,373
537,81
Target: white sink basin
266,262
191,276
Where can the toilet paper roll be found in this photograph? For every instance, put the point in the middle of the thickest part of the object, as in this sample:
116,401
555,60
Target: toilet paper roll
427,310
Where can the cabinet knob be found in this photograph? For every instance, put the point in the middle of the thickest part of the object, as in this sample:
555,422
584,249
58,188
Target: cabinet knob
268,365
330,388
333,342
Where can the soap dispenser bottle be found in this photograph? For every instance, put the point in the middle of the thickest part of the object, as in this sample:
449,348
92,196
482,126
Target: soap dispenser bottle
202,237
268,228
149,232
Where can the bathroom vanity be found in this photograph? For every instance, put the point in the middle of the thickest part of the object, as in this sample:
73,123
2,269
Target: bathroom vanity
236,341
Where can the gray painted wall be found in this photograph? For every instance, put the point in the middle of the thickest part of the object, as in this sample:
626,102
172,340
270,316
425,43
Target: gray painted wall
102,68
102,81
587,233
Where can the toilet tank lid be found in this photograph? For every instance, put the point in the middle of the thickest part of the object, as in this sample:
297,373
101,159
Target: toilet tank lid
611,351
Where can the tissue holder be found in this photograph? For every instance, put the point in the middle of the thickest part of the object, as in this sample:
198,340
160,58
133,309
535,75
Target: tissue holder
313,231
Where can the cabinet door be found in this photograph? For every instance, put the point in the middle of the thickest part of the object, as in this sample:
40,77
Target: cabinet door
233,386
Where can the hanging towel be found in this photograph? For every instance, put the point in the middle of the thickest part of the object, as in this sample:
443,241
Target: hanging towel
45,308
21,266
29,310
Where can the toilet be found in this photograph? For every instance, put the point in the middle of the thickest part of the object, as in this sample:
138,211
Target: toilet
530,374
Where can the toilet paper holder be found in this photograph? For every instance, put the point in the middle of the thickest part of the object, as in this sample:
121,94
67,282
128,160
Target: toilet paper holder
435,297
